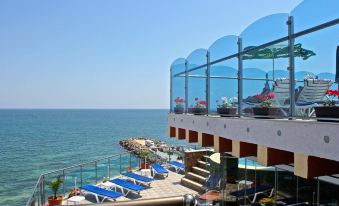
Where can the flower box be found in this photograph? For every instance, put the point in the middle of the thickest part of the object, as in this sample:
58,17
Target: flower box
270,112
197,111
178,110
327,112
229,111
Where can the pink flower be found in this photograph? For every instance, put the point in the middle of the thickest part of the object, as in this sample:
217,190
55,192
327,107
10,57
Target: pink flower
202,102
271,95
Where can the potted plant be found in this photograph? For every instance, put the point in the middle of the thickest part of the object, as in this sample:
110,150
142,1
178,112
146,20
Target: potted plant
266,106
227,106
329,108
143,155
179,105
199,108
55,185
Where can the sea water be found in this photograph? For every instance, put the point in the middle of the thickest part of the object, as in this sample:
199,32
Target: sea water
36,141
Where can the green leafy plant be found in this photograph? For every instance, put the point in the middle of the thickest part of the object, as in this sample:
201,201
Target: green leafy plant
55,185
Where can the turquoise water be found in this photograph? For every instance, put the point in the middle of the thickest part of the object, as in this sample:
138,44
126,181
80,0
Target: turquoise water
36,141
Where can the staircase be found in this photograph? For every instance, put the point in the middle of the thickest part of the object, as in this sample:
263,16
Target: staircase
197,178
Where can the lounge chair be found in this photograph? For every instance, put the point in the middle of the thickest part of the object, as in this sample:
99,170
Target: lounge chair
128,186
178,166
292,201
213,182
97,191
158,169
254,191
136,178
311,95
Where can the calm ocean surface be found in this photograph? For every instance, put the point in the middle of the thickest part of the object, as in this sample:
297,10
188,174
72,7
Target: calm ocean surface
37,141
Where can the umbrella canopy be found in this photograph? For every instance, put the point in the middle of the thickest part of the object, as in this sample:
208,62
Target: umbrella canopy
277,51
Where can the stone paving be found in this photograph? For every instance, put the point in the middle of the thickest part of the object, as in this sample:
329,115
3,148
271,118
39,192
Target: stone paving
161,187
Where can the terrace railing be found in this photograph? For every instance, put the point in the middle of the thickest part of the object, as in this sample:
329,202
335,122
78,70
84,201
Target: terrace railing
90,172
294,45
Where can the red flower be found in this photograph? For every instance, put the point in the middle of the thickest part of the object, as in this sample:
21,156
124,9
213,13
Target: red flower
332,92
202,102
271,95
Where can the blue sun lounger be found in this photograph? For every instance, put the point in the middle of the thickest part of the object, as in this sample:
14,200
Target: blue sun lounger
97,191
253,192
177,165
158,169
136,178
128,186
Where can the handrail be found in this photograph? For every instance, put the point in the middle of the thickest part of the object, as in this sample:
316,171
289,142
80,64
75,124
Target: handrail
82,164
285,38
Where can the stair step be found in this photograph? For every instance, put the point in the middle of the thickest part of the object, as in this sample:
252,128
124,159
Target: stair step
203,164
191,184
206,157
196,177
200,171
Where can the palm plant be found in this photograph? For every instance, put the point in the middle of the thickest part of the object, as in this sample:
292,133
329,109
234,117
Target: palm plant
55,185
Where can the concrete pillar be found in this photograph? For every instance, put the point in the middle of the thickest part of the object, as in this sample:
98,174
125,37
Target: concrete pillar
243,149
309,167
270,157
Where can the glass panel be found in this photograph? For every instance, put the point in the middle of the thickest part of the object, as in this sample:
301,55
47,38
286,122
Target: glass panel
286,186
316,70
224,82
266,81
197,82
328,193
307,190
264,30
310,13
178,85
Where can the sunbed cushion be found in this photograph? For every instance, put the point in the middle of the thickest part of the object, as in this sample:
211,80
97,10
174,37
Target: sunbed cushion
177,164
159,169
102,192
127,185
251,191
138,177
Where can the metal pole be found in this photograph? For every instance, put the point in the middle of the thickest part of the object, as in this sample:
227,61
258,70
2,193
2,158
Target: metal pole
64,182
290,24
96,172
171,90
42,190
240,76
186,86
109,168
130,160
208,83
80,175
120,162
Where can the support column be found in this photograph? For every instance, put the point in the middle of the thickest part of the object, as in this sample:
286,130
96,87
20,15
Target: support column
270,157
191,136
243,149
222,144
205,140
310,166
171,132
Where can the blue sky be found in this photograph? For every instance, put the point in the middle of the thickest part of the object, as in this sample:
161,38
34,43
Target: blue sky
109,54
